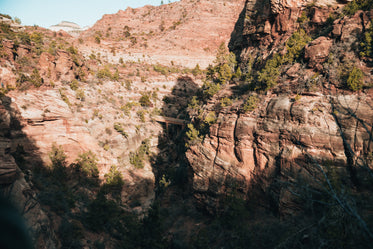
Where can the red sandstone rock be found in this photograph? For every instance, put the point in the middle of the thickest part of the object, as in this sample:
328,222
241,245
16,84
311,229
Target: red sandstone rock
320,15
190,31
318,50
245,147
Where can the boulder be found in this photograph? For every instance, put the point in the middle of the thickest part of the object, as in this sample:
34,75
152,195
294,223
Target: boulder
318,51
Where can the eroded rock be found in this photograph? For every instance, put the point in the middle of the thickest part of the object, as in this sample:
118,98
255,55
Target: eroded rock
281,139
318,51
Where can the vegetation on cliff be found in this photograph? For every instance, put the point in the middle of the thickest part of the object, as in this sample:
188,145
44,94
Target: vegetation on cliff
266,120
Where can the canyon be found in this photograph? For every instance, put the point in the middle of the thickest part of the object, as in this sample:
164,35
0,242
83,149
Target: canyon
265,145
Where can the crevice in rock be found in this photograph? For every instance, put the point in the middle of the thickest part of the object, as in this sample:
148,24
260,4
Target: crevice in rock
217,148
235,139
347,148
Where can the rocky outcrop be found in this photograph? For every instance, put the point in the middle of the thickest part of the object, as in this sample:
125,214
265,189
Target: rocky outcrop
62,67
318,51
286,137
268,24
13,183
283,136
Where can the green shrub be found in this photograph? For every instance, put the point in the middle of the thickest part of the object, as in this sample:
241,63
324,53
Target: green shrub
92,56
145,100
193,136
72,50
223,56
64,97
128,85
86,163
113,183
97,39
366,46
303,18
118,127
250,104
295,46
106,147
24,38
238,74
141,115
137,158
58,158
17,20
352,7
128,107
115,76
355,79
209,89
225,64
268,76
74,85
104,73
210,118
5,28
22,78
36,79
166,99
224,102
194,107
196,70
37,38
114,178
225,74
165,70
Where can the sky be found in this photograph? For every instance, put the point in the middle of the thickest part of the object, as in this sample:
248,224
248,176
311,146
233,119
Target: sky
45,13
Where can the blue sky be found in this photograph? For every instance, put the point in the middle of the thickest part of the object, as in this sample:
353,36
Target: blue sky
83,12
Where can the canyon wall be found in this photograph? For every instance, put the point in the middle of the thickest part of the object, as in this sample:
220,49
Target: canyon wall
294,131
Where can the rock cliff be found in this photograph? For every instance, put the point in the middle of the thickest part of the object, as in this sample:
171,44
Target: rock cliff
284,131
16,183
283,135
294,128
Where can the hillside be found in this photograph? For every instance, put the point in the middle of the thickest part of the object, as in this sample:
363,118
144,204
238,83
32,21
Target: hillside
184,32
116,139
69,27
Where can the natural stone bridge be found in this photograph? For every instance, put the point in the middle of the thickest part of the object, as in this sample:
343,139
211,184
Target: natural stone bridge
169,120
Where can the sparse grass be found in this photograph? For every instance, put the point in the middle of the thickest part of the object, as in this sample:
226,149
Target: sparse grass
118,127
137,158
64,96
141,115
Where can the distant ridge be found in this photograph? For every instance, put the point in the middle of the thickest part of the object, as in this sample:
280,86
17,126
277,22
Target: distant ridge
69,27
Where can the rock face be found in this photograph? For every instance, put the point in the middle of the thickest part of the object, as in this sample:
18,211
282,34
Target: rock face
61,67
318,50
52,68
13,183
284,136
46,120
266,24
